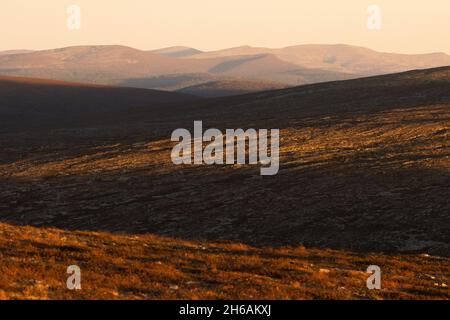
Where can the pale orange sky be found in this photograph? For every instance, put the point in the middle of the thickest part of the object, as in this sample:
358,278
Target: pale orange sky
408,26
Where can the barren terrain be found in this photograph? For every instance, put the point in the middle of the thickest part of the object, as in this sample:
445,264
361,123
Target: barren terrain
364,170
34,263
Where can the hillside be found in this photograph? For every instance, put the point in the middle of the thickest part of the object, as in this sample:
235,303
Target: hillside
30,102
340,58
34,262
120,65
8,52
223,88
176,68
173,82
363,180
177,52
92,64
364,167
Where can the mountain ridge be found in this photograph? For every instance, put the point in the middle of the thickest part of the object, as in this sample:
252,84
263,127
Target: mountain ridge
294,65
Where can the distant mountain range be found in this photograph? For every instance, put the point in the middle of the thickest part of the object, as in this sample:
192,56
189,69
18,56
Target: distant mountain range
184,68
223,88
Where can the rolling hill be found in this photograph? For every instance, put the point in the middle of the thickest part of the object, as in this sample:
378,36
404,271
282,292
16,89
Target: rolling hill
119,65
223,88
340,58
176,68
32,102
9,52
364,175
92,64
172,82
351,154
177,52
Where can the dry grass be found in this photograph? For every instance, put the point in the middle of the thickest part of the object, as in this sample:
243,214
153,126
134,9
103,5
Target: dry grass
34,263
364,168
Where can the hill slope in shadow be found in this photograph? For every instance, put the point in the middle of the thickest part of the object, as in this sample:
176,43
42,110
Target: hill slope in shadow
33,102
364,166
223,88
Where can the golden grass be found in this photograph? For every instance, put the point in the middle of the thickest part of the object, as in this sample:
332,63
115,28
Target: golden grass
34,262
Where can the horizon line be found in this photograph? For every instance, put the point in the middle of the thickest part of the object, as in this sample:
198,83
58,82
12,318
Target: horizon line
222,48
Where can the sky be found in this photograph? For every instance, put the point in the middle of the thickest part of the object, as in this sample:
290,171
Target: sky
407,26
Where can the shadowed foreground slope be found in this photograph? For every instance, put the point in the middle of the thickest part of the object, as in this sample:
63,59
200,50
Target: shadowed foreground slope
364,167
